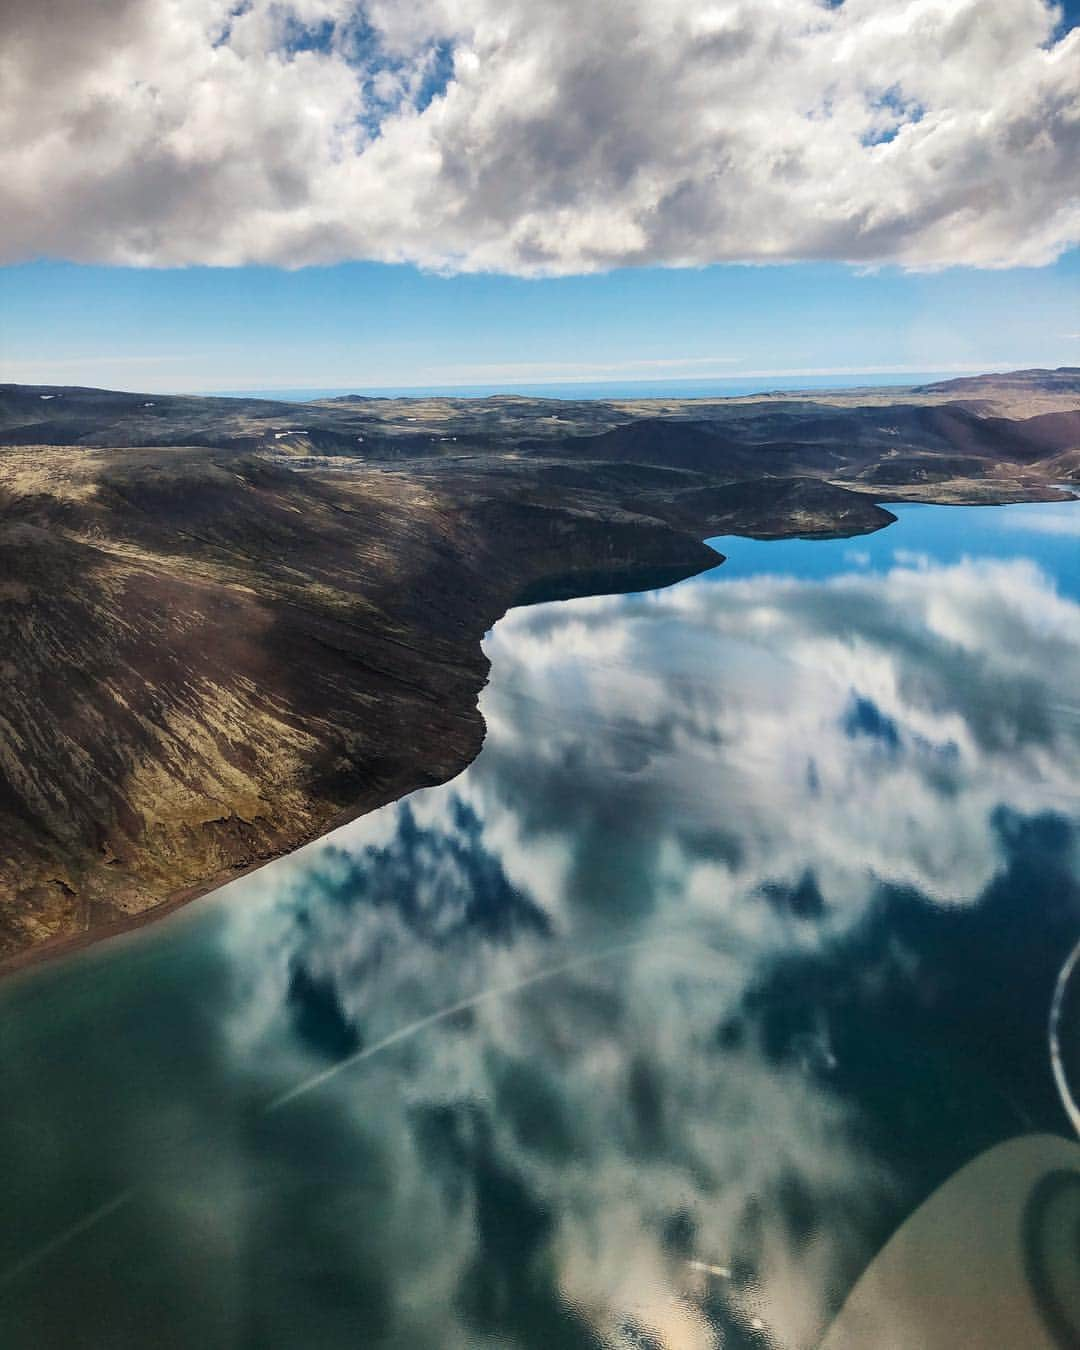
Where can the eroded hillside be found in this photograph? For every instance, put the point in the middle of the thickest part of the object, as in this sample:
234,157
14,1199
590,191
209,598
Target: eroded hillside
226,625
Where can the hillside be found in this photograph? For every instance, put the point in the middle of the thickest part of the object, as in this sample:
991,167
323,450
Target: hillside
227,625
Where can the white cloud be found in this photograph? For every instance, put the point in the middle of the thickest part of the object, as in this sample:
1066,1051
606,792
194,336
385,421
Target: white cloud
646,777
539,137
1064,521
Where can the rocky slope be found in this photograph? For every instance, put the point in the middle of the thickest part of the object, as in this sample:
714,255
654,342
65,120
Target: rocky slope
226,625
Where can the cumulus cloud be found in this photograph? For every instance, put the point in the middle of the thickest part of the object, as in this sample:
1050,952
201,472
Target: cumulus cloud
647,1030
619,997
546,137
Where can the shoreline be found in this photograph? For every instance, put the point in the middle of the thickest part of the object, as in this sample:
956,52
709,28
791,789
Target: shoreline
66,945
70,944
219,647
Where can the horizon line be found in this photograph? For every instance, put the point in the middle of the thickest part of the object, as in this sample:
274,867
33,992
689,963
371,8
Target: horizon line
948,369
795,373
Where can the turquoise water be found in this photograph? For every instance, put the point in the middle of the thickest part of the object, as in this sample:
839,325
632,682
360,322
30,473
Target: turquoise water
735,942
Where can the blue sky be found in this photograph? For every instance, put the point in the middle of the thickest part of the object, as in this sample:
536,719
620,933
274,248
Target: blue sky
291,194
371,325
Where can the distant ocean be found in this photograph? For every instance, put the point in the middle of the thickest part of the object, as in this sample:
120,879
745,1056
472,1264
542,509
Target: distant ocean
607,389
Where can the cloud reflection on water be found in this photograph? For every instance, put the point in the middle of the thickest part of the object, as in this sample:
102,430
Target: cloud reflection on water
821,818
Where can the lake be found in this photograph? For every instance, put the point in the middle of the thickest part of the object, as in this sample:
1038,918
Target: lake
736,942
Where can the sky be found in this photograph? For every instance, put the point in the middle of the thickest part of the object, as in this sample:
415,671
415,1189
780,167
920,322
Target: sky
203,195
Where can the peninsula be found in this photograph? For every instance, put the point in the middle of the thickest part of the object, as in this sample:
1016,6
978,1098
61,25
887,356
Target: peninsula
228,625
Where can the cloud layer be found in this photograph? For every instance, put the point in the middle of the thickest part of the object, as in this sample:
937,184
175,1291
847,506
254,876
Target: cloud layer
547,137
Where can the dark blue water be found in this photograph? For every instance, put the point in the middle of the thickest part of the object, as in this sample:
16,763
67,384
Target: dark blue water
736,941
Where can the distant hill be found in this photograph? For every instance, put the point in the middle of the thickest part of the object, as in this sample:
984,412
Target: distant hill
1063,380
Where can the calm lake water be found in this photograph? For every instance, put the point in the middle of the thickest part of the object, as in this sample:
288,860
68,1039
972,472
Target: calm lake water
737,940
